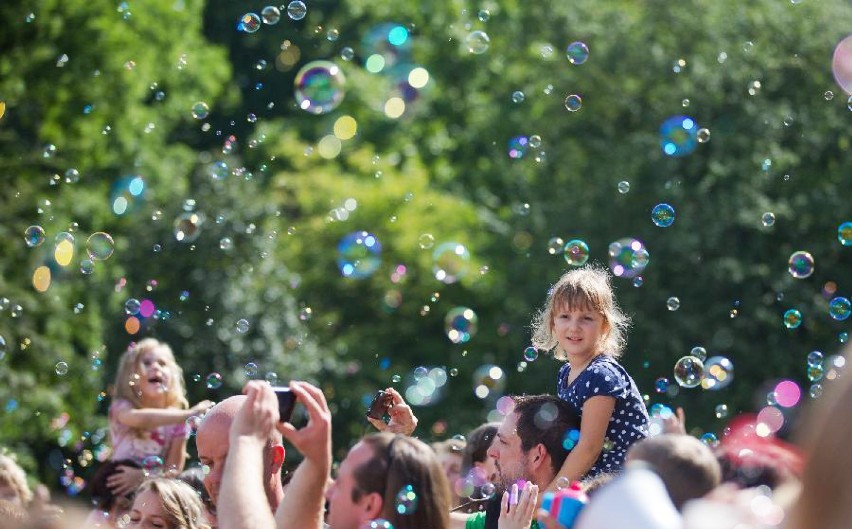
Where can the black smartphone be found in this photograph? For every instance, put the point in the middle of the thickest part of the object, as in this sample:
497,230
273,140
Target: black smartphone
286,402
380,406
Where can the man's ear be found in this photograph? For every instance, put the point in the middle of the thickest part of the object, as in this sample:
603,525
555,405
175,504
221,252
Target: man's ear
538,453
372,504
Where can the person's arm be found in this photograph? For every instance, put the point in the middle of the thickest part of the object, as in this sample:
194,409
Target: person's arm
242,502
304,503
150,418
175,457
597,412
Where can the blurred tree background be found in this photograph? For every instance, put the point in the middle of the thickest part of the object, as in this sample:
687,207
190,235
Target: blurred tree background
178,133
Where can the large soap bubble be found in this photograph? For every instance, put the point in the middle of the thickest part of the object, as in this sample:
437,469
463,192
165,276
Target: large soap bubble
358,254
678,136
319,87
841,64
628,257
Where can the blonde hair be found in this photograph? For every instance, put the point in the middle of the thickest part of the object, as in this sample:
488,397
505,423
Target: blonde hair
14,477
127,378
180,502
586,288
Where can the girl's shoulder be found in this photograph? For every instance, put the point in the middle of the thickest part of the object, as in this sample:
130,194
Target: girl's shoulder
119,405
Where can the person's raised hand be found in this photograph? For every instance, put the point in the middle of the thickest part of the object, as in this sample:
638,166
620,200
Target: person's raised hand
518,515
676,423
125,480
258,414
201,408
314,439
402,418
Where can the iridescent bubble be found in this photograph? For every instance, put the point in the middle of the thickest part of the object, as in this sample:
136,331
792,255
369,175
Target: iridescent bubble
663,215
126,194
132,306
710,440
624,187
518,147
573,102
270,15
787,393
844,233
661,385
396,379
426,241
226,243
61,368
450,262
34,236
271,377
815,391
319,87
2,347
87,266
703,135
535,141
530,354
576,252
420,372
487,490
841,64
218,170
72,176
406,500
518,96
200,110
628,257
768,219
243,326
801,265
792,319
488,381
577,53
718,373
688,371
699,352
477,42
839,308
100,246
297,10
187,226
678,136
721,411
347,53
673,303
816,373
214,381
152,465
251,370
555,245
460,324
249,23
358,255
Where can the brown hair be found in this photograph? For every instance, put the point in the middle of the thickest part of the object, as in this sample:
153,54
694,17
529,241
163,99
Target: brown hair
13,476
400,461
586,288
827,474
478,443
545,419
181,504
687,467
127,377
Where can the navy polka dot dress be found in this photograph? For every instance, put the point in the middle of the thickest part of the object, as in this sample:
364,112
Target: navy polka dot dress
629,421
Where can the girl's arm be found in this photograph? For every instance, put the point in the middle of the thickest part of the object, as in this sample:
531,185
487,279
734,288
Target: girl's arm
175,457
597,412
149,418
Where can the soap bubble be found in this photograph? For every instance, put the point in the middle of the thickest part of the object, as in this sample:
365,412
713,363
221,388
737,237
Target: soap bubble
573,102
477,42
271,15
801,265
721,411
488,381
792,319
406,500
319,87
768,219
577,53
844,234
530,354
787,393
576,252
460,324
450,262
688,371
152,465
703,135
663,215
426,241
623,187
99,246
718,373
243,326
358,254
628,257
87,266
555,245
297,10
518,96
678,136
673,303
187,226
710,440
132,306
378,523
214,381
839,308
841,64
699,352
34,236
250,370
249,23
518,147
61,368
661,385
200,110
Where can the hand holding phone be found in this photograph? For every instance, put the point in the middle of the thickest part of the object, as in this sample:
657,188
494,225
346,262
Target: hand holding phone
286,402
380,406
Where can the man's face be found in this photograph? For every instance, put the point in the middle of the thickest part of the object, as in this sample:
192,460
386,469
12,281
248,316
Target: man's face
509,458
211,439
343,513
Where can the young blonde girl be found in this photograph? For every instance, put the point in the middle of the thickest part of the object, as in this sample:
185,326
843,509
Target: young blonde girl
147,421
166,504
582,324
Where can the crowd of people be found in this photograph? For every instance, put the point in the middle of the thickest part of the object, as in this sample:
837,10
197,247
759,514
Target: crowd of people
585,450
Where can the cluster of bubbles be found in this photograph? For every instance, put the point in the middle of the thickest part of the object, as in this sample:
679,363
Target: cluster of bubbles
628,257
460,324
319,87
714,373
358,255
427,386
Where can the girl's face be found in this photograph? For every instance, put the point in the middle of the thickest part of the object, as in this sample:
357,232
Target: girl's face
147,512
579,332
155,373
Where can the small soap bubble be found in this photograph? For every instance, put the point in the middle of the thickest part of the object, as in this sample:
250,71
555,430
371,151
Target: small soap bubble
688,371
628,257
187,227
347,54
718,373
721,411
87,266
673,303
450,262
16,311
358,255
703,135
460,324
839,308
576,252
214,381
420,372
699,352
484,15
623,187
663,215
200,110
49,151
61,368
406,500
792,319
226,243
477,42
242,326
518,96
396,379
535,141
555,245
562,483
678,136
844,233
72,176
249,23
577,53
99,246
828,95
251,370
271,15
297,10
132,306
34,236
530,354
815,359
816,373
768,219
426,241
710,440
801,264
661,385
573,103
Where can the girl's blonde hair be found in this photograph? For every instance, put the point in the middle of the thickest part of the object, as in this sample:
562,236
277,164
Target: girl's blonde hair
587,288
14,477
127,379
180,502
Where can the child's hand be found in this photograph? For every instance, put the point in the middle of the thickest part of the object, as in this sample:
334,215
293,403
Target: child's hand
202,407
125,480
518,515
402,418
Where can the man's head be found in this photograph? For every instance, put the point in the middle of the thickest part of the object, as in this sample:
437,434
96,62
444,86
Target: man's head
393,477
530,443
211,439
